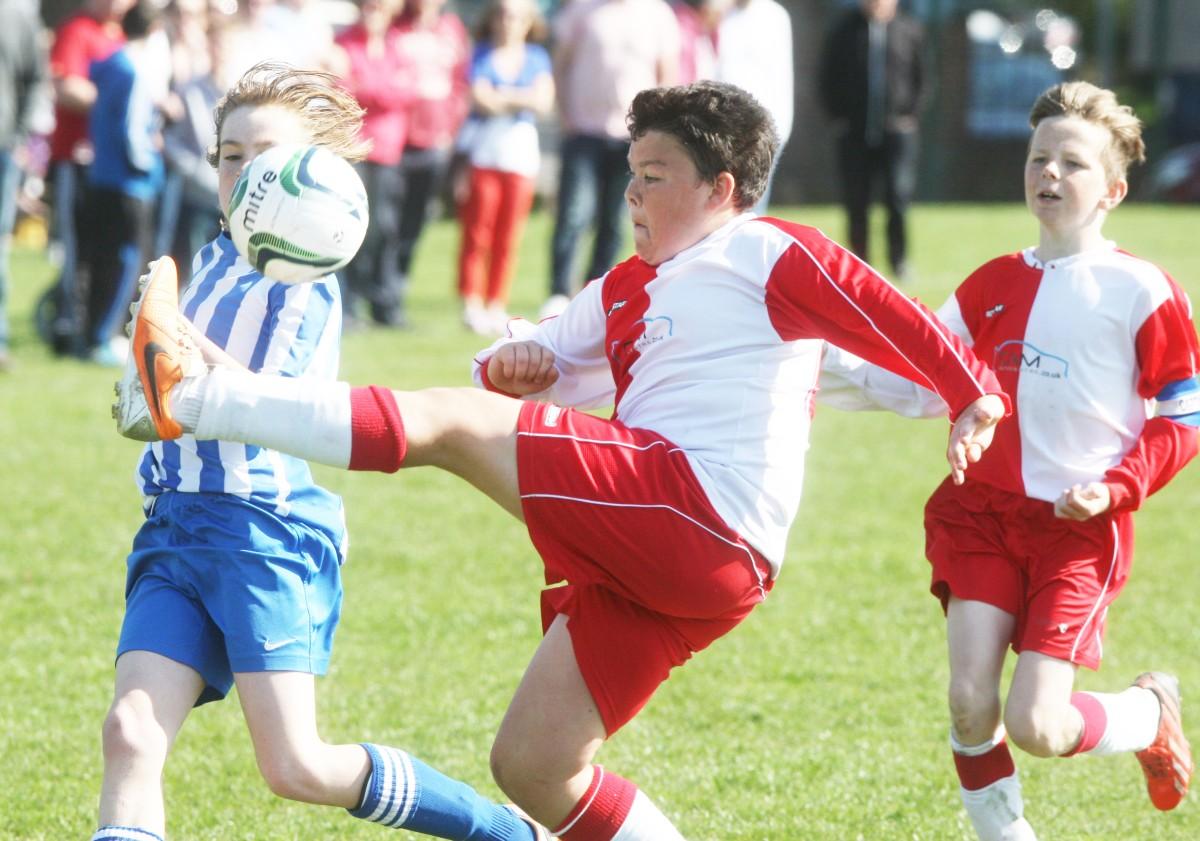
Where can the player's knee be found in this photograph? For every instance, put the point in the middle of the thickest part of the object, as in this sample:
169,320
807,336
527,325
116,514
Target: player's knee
131,734
974,710
291,777
505,766
517,772
1037,730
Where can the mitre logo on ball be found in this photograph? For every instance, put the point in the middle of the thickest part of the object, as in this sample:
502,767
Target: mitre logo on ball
298,213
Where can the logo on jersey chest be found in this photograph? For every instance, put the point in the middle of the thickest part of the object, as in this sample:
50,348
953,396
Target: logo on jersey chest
1015,355
642,335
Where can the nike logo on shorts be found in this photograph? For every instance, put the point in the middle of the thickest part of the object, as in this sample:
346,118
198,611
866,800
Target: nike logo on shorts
268,645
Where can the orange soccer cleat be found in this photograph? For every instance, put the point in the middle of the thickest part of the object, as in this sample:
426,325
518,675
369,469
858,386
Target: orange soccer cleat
1167,763
160,354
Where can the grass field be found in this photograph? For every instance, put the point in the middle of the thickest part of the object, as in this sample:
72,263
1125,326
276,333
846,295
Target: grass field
822,717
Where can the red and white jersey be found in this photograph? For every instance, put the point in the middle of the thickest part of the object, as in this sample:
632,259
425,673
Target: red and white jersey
1083,344
718,350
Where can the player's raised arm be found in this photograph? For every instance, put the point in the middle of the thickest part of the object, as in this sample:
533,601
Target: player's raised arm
818,289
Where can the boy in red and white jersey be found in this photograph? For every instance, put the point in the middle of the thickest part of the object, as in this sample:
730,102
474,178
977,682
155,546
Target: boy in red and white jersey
667,521
1034,547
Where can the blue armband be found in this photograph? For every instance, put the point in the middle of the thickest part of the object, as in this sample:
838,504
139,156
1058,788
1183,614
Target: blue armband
1180,401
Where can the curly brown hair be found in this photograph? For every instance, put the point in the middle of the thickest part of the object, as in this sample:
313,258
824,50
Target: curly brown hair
333,115
1098,106
723,129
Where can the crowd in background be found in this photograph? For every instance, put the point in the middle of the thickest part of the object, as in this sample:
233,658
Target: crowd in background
106,127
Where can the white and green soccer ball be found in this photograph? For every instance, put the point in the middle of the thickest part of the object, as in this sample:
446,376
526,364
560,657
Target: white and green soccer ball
298,213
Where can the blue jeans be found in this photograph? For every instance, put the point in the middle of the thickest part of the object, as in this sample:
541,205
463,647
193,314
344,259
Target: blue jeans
591,188
10,178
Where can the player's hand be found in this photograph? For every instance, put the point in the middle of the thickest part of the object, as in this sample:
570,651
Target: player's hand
972,433
1082,502
522,368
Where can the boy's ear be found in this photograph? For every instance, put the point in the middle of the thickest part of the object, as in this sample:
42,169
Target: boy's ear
722,189
1117,191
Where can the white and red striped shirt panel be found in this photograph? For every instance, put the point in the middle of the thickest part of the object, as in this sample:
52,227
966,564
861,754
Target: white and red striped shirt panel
1083,345
718,350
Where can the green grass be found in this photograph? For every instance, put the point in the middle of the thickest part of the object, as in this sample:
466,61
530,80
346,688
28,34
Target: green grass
822,717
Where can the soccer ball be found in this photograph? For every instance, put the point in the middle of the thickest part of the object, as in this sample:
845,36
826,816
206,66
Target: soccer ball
298,213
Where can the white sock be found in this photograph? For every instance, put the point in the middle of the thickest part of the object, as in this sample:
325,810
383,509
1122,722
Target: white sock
306,418
981,748
997,811
1132,720
646,823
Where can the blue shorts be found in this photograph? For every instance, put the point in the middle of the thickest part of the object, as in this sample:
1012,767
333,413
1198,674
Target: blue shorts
225,586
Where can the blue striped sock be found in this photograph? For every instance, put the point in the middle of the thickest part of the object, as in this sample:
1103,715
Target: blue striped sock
404,792
124,833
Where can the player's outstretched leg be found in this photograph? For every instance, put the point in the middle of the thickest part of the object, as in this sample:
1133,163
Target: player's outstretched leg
1167,762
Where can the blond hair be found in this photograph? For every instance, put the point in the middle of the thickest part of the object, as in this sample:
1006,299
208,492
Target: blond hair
332,115
1098,106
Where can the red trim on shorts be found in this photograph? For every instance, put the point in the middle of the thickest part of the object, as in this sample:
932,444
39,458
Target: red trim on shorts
377,440
976,772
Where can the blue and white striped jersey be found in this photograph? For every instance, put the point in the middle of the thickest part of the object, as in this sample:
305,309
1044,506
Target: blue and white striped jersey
270,327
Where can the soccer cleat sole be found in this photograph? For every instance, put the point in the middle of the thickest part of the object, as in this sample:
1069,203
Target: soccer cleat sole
1167,763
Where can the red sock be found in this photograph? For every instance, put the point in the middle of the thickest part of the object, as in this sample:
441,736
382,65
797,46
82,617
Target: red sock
1095,720
601,811
377,439
976,772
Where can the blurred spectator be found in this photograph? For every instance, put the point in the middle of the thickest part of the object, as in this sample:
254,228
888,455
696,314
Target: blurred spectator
605,51
435,47
698,21
871,82
123,182
186,26
511,86
185,33
22,74
306,31
373,69
754,52
294,33
91,34
189,214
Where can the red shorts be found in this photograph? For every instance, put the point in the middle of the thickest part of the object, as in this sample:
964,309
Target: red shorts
654,574
1057,576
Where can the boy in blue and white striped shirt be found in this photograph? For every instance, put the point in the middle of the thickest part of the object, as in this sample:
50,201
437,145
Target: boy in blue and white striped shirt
235,576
